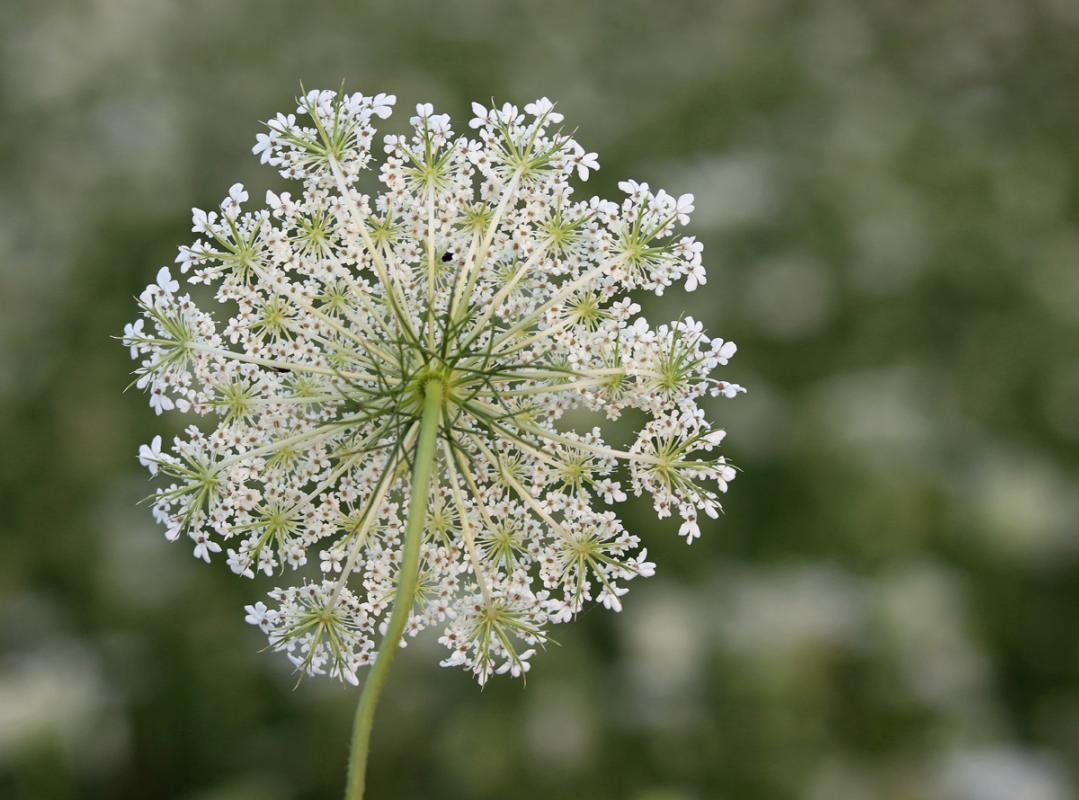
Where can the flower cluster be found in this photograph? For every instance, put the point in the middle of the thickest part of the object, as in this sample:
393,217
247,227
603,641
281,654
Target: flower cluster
475,265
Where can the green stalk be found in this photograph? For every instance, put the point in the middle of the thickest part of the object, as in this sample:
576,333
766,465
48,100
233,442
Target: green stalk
406,589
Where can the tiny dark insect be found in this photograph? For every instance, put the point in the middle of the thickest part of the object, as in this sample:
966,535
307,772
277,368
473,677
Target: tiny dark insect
447,256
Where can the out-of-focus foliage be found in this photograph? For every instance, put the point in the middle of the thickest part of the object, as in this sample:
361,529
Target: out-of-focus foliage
887,195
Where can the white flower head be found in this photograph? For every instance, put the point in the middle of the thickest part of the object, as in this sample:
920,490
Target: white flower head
473,301
150,455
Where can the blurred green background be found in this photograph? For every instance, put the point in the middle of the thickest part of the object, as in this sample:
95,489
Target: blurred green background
888,197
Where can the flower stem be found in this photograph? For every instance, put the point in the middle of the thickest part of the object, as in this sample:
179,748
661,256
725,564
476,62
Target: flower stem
406,589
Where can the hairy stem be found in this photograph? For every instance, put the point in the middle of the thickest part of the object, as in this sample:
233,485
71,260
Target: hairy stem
406,589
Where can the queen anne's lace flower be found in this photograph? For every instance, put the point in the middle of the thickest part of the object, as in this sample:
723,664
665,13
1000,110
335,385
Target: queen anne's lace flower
477,267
